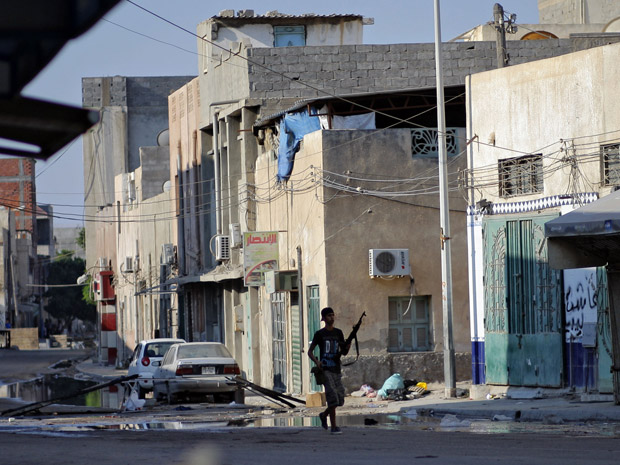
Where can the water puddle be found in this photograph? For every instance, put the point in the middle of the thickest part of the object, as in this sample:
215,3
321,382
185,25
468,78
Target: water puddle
54,386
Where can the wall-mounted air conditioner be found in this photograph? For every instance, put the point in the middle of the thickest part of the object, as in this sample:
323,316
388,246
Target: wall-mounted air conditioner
167,254
388,262
128,268
222,247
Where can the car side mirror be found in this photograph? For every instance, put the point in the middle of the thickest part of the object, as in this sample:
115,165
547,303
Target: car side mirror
156,364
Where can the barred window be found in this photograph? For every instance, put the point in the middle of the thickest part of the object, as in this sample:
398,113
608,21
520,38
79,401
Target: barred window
610,155
520,176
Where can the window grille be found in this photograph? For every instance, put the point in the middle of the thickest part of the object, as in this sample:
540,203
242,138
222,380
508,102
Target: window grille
520,176
611,164
425,142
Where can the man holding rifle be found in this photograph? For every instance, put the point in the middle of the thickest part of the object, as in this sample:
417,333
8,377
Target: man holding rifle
332,346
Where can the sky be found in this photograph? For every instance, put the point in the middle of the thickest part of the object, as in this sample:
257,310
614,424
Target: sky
118,46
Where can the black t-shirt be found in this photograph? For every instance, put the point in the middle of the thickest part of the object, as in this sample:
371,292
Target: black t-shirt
330,344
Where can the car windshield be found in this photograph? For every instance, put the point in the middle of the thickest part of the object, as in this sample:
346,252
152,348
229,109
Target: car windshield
203,350
157,349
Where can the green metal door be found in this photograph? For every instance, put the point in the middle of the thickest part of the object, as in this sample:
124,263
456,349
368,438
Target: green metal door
314,324
523,317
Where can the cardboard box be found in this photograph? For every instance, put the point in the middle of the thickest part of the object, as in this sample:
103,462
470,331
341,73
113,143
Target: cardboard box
315,399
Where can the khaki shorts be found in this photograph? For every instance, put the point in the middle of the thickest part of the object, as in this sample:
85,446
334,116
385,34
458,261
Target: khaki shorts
334,390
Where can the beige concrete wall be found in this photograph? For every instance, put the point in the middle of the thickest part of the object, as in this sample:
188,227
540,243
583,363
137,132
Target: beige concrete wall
414,224
578,11
572,98
335,233
487,32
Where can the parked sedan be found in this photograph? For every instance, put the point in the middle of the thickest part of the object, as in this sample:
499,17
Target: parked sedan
197,368
146,358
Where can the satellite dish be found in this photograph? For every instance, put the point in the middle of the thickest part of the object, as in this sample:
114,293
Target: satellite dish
167,186
163,138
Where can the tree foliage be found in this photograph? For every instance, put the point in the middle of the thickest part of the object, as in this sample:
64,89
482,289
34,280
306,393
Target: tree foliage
81,238
66,302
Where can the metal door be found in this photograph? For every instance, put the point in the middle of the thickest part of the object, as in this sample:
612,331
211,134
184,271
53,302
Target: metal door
278,312
296,345
314,324
522,295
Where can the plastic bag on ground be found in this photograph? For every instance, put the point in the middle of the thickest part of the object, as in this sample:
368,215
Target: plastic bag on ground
393,382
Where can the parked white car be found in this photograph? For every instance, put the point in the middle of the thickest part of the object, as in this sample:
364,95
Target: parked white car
198,368
146,358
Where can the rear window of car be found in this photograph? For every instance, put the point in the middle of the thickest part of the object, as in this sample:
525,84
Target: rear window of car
202,351
157,349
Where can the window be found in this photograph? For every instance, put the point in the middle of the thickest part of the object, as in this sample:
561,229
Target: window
409,326
611,164
520,176
289,36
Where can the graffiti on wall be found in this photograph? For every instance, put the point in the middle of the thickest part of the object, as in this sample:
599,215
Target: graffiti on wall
579,301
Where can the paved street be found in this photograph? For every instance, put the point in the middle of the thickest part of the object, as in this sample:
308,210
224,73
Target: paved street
307,446
217,435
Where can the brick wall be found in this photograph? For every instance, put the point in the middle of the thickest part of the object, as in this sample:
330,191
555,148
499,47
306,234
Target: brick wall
17,190
374,68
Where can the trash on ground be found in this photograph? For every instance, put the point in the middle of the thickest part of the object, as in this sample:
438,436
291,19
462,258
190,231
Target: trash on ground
451,421
502,418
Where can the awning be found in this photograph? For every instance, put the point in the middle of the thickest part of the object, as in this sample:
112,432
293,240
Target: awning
32,32
587,236
45,126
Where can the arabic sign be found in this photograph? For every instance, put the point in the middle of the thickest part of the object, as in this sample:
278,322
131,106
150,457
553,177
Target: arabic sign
260,254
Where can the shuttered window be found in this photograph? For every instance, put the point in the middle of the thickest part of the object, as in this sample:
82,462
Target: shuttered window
409,325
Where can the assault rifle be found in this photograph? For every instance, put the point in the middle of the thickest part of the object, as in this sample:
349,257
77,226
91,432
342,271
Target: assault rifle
350,339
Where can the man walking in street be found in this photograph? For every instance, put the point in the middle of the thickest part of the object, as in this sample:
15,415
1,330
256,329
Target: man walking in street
331,344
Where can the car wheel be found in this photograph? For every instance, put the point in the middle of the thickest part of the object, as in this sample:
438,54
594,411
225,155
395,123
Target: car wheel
239,396
142,392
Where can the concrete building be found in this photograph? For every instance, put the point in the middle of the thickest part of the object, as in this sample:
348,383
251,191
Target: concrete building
222,166
553,148
558,19
134,114
17,189
65,238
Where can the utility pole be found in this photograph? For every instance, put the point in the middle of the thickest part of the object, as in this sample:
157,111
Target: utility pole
502,27
500,35
444,212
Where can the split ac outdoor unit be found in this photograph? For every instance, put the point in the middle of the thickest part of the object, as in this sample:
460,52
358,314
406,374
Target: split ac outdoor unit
388,262
222,247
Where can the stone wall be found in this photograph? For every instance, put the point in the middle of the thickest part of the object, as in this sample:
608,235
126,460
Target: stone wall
354,69
25,338
421,366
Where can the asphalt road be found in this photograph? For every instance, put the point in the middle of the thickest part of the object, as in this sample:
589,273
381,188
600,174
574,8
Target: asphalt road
21,365
309,446
101,439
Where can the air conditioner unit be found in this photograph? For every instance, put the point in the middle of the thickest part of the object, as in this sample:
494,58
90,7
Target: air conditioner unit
222,247
388,262
128,265
167,254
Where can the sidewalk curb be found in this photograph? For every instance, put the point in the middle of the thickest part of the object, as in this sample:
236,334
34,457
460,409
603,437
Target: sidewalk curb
526,411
